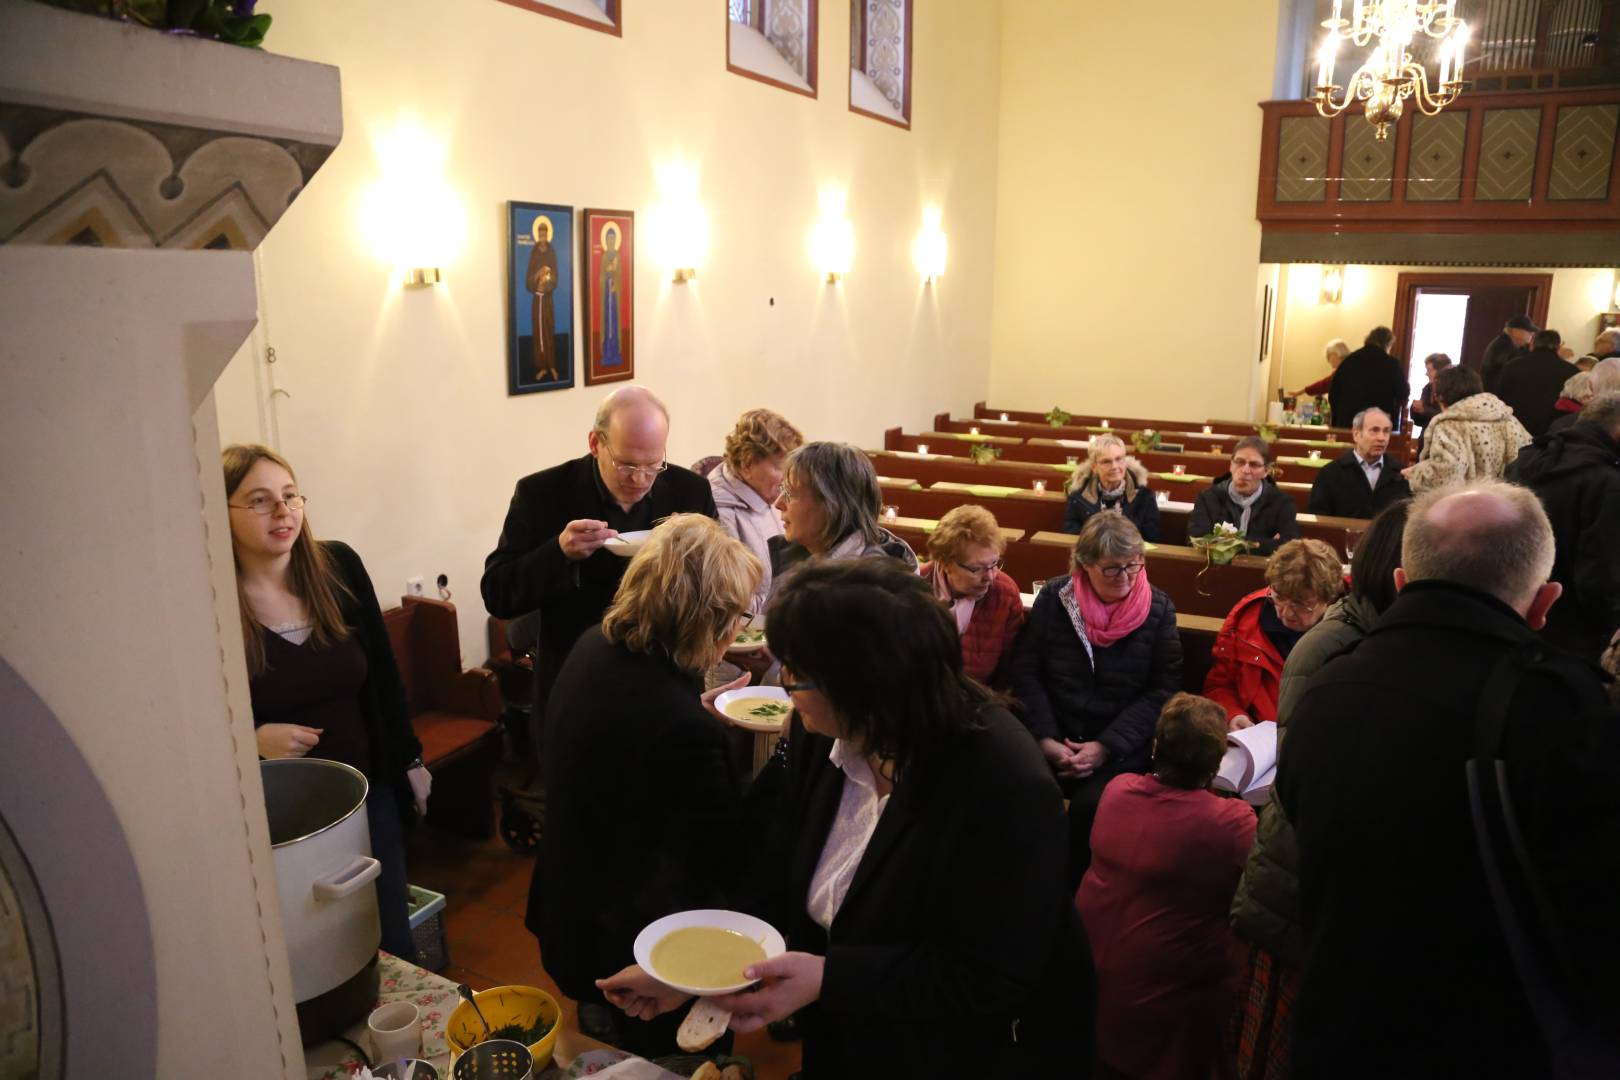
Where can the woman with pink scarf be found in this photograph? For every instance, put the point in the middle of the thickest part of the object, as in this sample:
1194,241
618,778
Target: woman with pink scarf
1098,658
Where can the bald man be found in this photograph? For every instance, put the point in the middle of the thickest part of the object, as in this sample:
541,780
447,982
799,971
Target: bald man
550,556
1407,968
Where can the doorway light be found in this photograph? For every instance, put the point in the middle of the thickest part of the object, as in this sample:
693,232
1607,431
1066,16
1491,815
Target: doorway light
1332,284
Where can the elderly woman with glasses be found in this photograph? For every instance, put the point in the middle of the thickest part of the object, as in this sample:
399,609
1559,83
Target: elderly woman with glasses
1247,498
1110,479
1099,657
920,888
964,567
830,503
1245,676
749,481
643,795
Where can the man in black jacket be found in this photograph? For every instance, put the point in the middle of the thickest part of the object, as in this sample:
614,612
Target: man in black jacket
551,555
1362,481
1576,473
1532,383
1248,498
1407,969
1370,378
1514,340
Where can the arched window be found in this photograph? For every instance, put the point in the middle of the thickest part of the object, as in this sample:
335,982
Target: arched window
773,41
880,60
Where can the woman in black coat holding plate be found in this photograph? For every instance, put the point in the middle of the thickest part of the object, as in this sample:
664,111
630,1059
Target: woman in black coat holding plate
920,876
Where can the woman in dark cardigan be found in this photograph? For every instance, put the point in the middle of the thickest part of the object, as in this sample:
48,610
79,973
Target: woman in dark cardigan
1248,498
643,796
920,879
1099,657
322,675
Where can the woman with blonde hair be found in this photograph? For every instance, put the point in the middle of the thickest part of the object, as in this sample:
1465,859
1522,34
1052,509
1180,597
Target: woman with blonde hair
1110,479
642,791
964,568
749,481
321,672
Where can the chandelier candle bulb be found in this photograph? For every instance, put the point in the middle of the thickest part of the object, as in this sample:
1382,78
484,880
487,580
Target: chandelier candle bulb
1324,64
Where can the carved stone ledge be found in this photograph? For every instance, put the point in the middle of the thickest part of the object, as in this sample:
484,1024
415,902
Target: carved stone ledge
148,140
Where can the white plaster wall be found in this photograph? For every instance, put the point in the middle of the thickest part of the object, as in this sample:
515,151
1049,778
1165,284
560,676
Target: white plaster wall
398,421
1126,245
1368,300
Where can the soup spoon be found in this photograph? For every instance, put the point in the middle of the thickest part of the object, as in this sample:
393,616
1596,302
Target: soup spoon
466,992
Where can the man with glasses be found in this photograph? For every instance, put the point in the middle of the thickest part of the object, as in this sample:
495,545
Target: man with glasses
550,556
1249,499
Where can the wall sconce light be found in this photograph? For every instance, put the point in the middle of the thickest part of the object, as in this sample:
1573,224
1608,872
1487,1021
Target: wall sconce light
679,227
1616,297
832,240
411,215
928,253
1332,284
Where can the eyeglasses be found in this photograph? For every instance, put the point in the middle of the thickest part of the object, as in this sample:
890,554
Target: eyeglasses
796,687
1131,568
265,504
1294,607
1247,463
790,493
628,472
980,569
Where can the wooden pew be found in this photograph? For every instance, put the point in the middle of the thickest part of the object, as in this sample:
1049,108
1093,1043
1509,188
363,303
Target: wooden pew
1172,568
928,470
1186,433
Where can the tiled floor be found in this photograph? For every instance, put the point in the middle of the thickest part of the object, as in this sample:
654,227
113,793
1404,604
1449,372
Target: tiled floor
486,886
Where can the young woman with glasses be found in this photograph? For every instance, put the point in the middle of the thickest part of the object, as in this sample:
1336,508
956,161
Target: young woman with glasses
1099,657
321,672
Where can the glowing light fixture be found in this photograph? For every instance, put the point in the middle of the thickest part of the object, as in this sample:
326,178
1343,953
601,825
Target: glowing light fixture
928,253
1390,77
1332,284
411,216
832,240
679,226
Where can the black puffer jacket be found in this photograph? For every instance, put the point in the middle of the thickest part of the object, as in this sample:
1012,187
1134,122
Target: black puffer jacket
1271,519
1576,474
1112,696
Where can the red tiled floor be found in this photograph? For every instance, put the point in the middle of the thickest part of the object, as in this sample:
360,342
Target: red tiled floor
486,888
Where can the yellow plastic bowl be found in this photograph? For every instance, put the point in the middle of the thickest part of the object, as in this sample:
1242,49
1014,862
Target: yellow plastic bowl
502,1005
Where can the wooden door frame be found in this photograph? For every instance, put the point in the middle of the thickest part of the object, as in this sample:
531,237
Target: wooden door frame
1407,286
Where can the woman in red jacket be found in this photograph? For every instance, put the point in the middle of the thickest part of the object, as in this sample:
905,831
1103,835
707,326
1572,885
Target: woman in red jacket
1245,676
964,566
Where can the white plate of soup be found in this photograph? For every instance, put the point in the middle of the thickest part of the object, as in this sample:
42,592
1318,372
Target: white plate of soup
757,708
628,543
750,638
704,952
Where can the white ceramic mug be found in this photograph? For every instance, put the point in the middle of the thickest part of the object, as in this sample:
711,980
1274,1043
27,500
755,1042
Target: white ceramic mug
396,1031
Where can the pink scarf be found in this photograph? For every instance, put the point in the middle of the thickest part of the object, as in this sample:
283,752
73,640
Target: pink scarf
1106,623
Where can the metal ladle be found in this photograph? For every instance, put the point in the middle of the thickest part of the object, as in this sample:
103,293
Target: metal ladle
467,995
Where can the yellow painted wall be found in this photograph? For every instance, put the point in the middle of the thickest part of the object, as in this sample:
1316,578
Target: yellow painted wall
1307,324
1126,248
398,419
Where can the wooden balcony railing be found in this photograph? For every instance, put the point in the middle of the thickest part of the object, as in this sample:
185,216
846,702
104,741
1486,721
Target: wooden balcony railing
1531,162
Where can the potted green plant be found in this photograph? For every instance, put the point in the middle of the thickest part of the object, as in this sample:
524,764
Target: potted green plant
231,21
984,453
1221,544
1268,432
1145,440
1057,417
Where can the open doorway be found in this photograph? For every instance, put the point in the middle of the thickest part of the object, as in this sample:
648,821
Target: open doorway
1459,314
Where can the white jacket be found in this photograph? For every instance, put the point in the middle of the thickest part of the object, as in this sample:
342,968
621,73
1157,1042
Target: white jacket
749,518
1475,439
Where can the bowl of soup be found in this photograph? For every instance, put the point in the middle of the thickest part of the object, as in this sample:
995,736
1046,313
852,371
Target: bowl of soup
757,708
750,638
705,952
627,543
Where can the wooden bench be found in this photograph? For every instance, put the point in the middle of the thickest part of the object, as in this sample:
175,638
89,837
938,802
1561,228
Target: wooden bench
452,711
1173,568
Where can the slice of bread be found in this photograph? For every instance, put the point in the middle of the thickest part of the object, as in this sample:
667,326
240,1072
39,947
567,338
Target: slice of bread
704,1024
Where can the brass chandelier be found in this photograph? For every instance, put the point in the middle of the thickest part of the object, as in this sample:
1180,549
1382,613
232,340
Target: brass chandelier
1390,76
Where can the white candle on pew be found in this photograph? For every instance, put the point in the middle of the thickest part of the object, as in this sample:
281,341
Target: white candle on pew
1040,486
1208,430
922,448
1004,416
973,431
1105,423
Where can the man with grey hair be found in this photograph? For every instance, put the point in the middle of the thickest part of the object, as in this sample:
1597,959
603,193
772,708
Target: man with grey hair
1363,480
1407,967
1576,474
1607,345
552,556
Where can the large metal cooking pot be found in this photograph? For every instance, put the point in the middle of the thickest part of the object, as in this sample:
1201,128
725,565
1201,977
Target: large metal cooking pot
324,875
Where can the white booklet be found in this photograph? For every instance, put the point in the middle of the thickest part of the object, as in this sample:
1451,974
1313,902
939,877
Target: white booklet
1250,763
